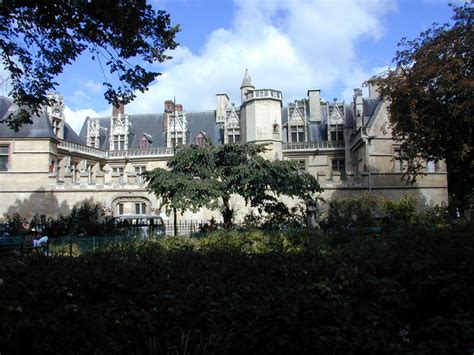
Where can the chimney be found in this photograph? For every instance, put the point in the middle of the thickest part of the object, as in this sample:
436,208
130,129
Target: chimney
222,101
373,87
314,105
116,109
169,106
358,107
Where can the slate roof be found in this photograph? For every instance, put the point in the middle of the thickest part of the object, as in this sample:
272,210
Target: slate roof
370,106
247,81
152,125
40,128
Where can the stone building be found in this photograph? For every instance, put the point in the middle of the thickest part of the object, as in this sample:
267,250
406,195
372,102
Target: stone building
46,168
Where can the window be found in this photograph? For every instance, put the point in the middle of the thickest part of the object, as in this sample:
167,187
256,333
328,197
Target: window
75,172
338,165
337,132
140,208
90,174
119,142
398,164
120,209
233,135
301,164
432,166
140,170
119,171
178,142
297,134
200,140
4,154
144,143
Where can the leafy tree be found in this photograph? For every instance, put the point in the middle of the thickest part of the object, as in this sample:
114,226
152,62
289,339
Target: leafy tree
39,38
208,177
431,96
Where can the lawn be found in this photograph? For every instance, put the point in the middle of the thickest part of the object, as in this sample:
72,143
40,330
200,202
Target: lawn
254,292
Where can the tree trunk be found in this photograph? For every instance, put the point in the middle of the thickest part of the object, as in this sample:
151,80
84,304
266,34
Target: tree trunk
227,213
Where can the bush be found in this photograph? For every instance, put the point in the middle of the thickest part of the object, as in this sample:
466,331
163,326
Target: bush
252,292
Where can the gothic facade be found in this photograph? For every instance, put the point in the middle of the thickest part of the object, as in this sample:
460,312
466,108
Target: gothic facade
46,168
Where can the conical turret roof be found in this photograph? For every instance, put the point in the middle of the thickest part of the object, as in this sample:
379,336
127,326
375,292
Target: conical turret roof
247,82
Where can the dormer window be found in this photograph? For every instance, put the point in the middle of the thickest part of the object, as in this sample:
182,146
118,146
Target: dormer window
337,132
144,142
119,142
200,139
297,133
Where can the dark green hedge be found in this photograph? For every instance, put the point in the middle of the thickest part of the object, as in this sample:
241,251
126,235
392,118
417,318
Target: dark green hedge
408,292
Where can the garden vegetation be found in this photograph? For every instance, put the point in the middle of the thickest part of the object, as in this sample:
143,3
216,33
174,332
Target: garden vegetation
348,291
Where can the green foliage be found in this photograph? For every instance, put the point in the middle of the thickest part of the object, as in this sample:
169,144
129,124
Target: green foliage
431,96
15,221
401,213
38,39
365,211
255,292
372,210
208,176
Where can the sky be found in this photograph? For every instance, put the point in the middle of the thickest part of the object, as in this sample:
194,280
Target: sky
288,45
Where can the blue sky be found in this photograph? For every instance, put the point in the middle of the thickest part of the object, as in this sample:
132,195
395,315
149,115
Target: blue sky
288,45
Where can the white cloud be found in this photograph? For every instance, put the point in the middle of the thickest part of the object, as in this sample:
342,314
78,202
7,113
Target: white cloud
290,46
76,118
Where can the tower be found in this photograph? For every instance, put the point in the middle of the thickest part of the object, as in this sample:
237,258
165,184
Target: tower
260,115
246,86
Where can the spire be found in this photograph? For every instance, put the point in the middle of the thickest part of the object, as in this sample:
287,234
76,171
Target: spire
247,82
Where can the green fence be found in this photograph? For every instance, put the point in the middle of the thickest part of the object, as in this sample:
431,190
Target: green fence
73,246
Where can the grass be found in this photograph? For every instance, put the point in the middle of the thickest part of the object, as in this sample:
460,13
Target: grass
294,292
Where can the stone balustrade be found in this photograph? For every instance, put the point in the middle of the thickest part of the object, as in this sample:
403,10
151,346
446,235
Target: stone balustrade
322,145
84,149
99,153
263,94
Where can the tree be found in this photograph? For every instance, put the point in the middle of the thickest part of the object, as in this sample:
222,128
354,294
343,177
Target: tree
208,176
431,95
39,38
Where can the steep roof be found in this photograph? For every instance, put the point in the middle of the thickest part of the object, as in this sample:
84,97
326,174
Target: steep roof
39,128
152,125
247,81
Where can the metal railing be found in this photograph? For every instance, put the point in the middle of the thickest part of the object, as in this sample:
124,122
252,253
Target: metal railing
322,145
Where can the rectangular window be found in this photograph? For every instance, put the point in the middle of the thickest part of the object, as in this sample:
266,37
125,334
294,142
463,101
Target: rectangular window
4,154
120,209
140,170
301,164
297,133
337,132
398,164
431,166
233,135
140,208
119,142
119,171
338,165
